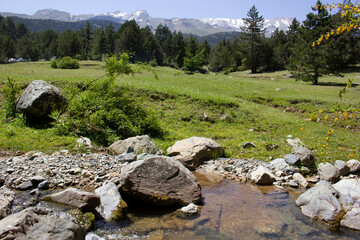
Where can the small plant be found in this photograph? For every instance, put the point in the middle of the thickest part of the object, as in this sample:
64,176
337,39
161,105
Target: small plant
65,63
10,91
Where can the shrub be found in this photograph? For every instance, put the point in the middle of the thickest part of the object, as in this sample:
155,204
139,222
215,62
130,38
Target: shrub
10,90
65,63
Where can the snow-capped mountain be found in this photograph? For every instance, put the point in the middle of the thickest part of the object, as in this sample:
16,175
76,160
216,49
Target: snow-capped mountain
201,27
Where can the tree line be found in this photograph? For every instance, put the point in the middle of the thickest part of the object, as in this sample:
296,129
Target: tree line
291,49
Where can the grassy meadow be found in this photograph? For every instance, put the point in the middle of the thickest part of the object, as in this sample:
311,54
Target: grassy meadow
231,109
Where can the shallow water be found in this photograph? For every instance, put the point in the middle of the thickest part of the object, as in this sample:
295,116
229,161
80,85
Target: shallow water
230,211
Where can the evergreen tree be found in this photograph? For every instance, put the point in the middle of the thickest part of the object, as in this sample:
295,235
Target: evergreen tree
100,44
86,37
68,44
129,38
253,33
309,62
110,38
179,49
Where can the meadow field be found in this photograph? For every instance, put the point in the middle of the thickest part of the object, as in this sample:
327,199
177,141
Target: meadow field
231,109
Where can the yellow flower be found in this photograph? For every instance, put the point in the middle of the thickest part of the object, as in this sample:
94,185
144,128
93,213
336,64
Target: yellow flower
324,146
313,44
326,117
310,119
327,139
336,119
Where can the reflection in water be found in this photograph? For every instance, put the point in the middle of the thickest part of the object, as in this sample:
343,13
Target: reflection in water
230,211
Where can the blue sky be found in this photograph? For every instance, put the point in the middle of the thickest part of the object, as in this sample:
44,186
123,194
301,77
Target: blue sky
167,8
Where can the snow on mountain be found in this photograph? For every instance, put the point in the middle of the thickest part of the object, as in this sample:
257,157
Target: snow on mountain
201,27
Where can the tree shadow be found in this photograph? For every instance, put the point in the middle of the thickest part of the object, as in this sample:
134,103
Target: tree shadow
336,84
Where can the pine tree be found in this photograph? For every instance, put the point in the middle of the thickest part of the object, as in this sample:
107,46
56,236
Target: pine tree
253,34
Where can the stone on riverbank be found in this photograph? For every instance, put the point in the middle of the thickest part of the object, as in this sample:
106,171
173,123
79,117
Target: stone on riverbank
321,202
161,181
306,156
140,144
40,223
6,201
112,206
328,172
343,168
262,176
83,200
192,151
354,165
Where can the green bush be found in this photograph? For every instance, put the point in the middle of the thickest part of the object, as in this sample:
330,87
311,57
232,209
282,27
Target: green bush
10,91
103,112
65,63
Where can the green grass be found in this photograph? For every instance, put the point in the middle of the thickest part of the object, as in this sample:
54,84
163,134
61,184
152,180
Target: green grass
272,104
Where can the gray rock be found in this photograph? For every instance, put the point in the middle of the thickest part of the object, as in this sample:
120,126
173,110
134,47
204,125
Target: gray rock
77,198
112,207
92,236
192,151
328,172
352,217
354,165
294,142
349,186
43,185
127,157
321,202
39,99
83,142
305,155
343,168
144,156
160,181
292,159
190,209
248,145
25,186
262,176
293,183
36,180
40,223
140,144
279,164
6,201
300,178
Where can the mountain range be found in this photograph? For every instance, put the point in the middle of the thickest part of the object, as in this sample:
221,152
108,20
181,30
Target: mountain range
200,27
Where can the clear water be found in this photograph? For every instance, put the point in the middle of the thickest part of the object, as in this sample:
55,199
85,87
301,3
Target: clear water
230,211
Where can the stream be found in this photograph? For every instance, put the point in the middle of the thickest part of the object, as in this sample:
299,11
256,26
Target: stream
230,211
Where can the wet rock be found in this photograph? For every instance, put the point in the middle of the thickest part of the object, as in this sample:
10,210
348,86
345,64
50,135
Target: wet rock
321,202
92,236
328,172
140,144
160,181
279,164
112,206
39,99
190,209
43,185
343,168
300,178
354,165
36,180
6,201
25,186
40,223
77,198
192,151
293,183
248,145
305,155
292,159
262,176
352,217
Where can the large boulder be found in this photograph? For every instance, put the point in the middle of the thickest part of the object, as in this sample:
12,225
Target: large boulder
279,164
39,99
262,176
40,223
6,201
352,217
112,206
328,172
343,168
320,202
139,144
76,198
192,151
161,181
306,156
349,186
